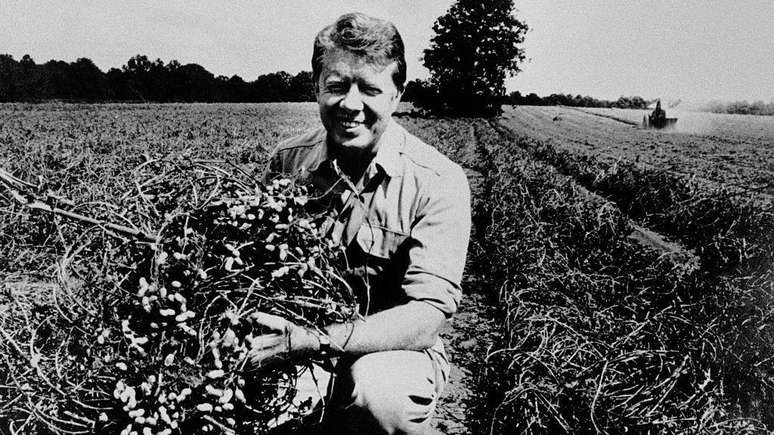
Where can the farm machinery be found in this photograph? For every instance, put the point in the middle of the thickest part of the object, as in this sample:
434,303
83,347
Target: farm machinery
658,118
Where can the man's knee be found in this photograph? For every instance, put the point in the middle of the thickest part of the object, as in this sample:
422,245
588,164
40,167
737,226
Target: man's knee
396,389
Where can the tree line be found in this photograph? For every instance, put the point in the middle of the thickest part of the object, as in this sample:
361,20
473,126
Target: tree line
740,108
532,99
141,79
424,94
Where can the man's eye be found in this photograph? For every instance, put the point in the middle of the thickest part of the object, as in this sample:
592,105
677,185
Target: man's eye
336,88
372,91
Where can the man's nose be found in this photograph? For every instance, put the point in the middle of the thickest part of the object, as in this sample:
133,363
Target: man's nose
353,99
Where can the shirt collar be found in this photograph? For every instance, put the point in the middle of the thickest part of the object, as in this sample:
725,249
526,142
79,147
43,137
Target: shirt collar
390,146
387,155
320,153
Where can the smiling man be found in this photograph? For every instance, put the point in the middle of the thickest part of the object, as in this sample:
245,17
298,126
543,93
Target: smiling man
402,211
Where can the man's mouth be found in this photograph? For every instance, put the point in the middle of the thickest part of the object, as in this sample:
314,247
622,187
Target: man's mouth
348,123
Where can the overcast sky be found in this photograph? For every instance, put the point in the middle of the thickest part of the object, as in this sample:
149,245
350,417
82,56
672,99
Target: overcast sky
690,49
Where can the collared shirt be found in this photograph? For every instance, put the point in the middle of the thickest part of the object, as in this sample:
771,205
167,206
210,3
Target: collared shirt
405,224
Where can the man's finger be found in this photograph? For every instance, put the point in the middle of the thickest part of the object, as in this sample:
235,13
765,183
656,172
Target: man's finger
270,321
263,357
268,341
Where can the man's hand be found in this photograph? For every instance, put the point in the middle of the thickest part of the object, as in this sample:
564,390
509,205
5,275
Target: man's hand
411,326
288,341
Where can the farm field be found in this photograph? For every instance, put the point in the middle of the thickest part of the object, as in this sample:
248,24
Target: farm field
87,154
571,325
728,150
723,126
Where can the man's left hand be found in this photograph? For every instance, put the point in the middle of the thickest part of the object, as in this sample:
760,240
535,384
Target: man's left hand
288,341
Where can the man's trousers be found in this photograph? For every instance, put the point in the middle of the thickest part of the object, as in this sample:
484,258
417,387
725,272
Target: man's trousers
383,392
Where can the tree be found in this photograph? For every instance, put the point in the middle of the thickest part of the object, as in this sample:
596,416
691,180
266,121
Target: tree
117,86
8,74
271,87
198,83
476,46
28,85
422,94
302,87
87,80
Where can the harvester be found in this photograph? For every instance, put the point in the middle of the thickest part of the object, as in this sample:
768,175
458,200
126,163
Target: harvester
658,118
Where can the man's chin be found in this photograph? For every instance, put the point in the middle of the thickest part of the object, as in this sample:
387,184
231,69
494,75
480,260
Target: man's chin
346,141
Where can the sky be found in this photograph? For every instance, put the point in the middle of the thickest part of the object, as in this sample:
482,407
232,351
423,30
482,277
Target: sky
696,50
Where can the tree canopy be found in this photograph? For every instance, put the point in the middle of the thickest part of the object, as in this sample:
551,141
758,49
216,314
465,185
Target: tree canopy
142,79
532,99
477,45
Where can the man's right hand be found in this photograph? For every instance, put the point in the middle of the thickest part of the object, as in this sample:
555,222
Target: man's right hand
288,341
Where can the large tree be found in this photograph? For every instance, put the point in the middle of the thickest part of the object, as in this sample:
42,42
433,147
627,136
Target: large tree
477,45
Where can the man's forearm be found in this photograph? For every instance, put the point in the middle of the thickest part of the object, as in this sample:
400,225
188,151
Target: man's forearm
412,326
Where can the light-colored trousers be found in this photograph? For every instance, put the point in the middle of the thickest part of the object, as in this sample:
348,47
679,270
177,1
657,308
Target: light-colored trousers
392,392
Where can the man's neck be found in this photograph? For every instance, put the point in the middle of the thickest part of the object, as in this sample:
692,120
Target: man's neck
352,162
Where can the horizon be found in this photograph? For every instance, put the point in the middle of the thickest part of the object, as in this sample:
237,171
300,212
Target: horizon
694,51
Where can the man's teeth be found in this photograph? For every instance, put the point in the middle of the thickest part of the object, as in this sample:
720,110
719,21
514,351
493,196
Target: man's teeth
349,124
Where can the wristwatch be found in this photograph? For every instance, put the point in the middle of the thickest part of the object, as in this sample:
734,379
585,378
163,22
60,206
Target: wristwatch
325,345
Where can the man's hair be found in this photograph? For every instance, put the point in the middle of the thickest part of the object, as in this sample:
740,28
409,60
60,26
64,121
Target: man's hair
376,40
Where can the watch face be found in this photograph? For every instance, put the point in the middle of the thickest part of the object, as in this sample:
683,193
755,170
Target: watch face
325,344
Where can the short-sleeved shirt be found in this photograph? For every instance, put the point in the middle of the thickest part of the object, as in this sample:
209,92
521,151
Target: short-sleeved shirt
405,224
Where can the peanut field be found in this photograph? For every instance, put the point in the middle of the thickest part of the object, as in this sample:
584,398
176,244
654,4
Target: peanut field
627,274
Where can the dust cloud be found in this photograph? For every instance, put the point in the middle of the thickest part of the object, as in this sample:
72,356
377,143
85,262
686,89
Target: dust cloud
696,122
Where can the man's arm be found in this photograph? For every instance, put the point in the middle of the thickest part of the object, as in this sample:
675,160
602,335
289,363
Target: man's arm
412,326
431,285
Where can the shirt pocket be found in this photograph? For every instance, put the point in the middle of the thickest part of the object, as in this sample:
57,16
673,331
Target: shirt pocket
379,241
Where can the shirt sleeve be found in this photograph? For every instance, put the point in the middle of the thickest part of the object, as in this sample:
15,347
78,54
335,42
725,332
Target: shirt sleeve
439,244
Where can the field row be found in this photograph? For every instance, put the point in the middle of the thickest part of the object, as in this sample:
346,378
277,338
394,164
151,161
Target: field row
605,335
599,332
721,149
731,230
727,127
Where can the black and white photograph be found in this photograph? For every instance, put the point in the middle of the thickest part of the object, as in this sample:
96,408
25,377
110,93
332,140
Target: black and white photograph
386,217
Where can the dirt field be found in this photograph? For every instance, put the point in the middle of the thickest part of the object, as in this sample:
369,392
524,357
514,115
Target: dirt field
727,126
86,153
543,250
731,150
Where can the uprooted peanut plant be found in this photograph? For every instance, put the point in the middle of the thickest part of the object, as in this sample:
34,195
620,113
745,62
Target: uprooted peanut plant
151,336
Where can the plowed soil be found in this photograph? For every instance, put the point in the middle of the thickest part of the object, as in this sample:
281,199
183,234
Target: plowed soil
726,150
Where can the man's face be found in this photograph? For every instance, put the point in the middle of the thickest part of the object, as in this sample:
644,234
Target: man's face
356,99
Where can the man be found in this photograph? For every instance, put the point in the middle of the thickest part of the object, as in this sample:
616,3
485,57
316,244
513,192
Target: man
402,211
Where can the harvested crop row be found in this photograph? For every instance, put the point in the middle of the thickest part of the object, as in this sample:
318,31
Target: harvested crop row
732,234
731,231
729,151
601,335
